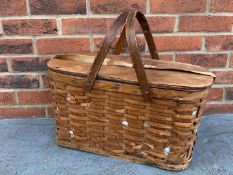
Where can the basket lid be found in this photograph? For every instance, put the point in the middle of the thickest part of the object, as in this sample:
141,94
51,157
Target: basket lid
164,74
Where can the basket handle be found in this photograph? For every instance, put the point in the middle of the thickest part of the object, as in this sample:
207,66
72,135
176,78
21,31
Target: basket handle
135,57
135,53
108,40
148,35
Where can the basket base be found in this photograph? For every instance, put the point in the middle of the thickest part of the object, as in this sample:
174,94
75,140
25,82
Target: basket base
124,157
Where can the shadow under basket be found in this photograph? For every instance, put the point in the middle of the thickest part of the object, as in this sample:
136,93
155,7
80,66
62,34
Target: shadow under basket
115,120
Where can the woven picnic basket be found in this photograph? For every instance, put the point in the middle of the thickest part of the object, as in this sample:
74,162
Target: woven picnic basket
139,109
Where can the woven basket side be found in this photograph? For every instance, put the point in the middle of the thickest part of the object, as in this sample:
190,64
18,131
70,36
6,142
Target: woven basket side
123,125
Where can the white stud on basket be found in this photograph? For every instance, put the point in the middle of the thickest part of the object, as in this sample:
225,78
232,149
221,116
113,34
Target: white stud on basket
125,122
194,113
68,97
146,125
167,150
71,133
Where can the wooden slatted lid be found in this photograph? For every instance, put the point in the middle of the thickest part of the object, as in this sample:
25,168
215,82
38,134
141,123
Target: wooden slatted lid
164,74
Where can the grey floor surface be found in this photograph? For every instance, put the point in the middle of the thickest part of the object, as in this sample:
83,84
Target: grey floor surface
27,147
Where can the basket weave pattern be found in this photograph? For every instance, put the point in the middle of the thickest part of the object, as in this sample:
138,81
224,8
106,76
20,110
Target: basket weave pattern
123,125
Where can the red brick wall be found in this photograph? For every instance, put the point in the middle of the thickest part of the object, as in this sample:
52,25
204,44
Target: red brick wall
31,31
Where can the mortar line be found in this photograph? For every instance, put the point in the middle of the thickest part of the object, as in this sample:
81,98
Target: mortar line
41,83
146,50
203,43
7,56
34,45
16,37
24,73
208,6
46,112
222,85
191,14
28,8
91,43
24,90
174,57
46,36
148,2
9,66
16,98
176,26
230,102
59,26
113,15
184,34
228,60
1,29
88,7
194,34
25,106
63,36
198,52
224,95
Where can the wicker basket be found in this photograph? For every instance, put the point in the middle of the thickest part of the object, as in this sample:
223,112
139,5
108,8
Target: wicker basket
144,110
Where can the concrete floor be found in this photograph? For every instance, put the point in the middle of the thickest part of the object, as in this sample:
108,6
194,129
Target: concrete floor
27,147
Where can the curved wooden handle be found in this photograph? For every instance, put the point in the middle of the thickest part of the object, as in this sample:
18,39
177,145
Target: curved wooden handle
133,49
135,53
147,33
108,40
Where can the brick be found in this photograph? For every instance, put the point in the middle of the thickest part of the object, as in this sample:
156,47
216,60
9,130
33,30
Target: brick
165,57
22,112
29,26
26,64
62,45
7,98
51,112
16,46
46,81
102,25
117,6
215,94
3,65
205,24
19,81
218,109
222,6
231,61
57,7
205,60
13,8
178,6
165,43
34,97
229,93
161,24
86,25
179,43
219,42
224,77
98,42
